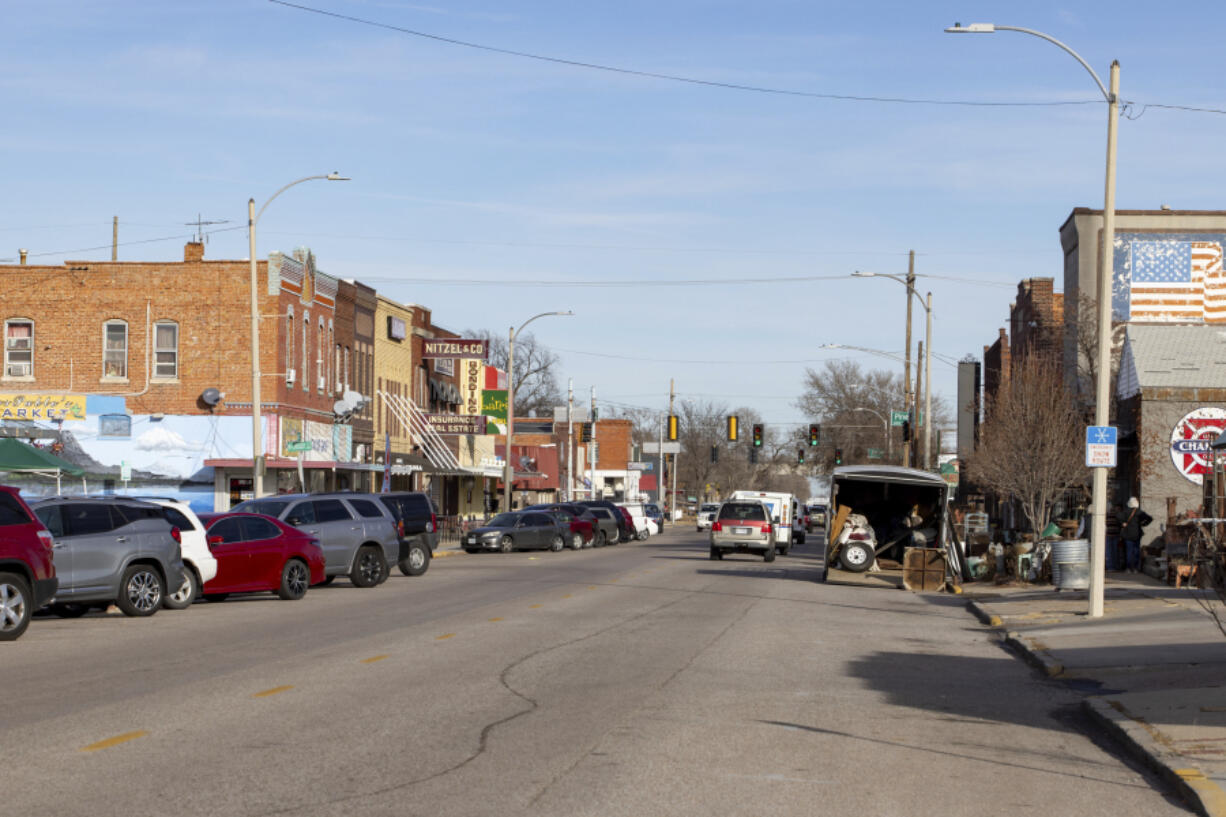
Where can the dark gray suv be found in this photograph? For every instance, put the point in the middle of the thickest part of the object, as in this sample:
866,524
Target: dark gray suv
110,550
357,533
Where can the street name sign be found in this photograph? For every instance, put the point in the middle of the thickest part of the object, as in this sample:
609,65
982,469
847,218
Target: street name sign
298,446
897,418
1101,446
668,448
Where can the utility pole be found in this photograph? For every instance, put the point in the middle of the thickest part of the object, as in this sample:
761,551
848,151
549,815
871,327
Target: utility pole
672,395
591,445
660,475
906,371
927,387
570,453
919,375
114,238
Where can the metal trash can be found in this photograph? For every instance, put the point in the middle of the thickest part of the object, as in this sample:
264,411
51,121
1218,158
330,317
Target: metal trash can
1070,564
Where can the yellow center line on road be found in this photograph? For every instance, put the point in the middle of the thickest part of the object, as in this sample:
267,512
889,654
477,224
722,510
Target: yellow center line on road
591,587
375,658
444,636
566,596
535,606
115,741
274,691
499,618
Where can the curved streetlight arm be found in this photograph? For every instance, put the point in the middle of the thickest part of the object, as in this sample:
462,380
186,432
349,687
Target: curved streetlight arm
892,277
515,334
333,177
988,28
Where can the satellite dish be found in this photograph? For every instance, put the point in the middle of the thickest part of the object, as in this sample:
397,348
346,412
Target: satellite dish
211,397
341,407
354,398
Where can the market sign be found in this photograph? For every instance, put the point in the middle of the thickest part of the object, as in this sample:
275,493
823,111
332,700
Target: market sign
455,424
455,348
1190,440
42,407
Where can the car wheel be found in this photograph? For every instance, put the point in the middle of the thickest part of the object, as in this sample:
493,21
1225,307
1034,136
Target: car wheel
15,610
642,536
601,536
69,610
576,541
295,579
800,540
140,591
216,597
716,555
769,556
557,544
183,597
417,561
369,567
856,556
506,544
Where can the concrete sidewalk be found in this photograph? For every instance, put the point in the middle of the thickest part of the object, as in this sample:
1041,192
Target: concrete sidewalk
1155,665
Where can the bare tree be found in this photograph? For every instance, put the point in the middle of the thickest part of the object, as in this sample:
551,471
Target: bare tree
535,384
1087,352
1030,445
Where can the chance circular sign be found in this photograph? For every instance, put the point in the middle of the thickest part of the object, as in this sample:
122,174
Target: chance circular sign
1190,441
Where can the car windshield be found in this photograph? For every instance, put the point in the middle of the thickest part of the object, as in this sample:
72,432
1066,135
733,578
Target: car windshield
504,520
743,512
710,508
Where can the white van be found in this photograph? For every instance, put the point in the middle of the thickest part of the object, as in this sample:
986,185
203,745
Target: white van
785,516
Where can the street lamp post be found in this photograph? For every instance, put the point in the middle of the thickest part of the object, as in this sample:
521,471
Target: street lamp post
927,355
257,443
1102,386
508,468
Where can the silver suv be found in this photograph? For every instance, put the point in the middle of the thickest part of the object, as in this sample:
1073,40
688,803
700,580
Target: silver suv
357,532
743,526
110,550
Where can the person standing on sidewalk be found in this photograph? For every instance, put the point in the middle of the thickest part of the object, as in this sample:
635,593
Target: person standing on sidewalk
1115,560
1131,523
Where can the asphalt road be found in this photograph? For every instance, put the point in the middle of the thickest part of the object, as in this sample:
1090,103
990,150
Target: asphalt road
637,680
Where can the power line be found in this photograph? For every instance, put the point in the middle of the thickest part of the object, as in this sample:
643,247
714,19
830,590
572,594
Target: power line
131,243
732,86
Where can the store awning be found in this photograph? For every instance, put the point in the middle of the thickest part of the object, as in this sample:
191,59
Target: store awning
24,458
274,462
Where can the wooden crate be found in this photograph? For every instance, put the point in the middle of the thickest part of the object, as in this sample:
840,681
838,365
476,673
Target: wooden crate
923,569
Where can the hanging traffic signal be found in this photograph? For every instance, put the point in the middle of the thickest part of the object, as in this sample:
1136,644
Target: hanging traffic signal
815,434
585,435
714,453
838,456
800,456
672,427
732,428
757,435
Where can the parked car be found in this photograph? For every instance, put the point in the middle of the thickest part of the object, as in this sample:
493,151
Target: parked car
706,515
111,550
518,530
579,520
625,525
654,513
198,562
743,526
27,571
256,553
417,527
608,529
638,518
357,532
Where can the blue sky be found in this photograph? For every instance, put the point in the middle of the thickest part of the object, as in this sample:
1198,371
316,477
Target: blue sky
469,165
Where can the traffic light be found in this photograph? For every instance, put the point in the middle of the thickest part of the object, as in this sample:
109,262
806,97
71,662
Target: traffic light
815,434
800,457
714,453
838,456
731,428
757,435
585,436
672,427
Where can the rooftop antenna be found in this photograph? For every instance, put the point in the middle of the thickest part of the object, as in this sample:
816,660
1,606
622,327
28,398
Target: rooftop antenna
200,224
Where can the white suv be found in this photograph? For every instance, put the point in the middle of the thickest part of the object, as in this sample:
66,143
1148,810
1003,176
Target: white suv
199,566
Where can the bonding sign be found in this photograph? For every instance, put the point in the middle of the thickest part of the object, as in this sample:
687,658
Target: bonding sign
1190,441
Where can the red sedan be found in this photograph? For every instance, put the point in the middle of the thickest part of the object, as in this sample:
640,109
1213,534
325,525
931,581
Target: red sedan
256,553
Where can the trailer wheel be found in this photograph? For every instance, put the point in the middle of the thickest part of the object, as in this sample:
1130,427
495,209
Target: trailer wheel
857,556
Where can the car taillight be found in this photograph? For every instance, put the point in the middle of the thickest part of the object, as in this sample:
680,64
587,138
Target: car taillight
176,535
766,528
45,538
400,528
716,527
432,525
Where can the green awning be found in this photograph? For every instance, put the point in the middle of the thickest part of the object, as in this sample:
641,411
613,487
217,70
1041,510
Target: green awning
18,456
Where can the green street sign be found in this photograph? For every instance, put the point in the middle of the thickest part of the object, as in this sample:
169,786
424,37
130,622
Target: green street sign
876,454
298,446
897,418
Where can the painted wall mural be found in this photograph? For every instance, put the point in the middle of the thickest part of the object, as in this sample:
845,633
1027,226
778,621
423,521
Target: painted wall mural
1169,277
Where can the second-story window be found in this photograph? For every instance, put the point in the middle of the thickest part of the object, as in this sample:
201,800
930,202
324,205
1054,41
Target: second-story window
321,358
166,349
289,343
115,350
306,351
18,348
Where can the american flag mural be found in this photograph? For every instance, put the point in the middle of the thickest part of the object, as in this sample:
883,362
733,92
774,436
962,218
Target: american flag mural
1176,281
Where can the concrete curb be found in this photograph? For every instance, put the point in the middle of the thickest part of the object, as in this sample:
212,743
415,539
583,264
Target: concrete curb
439,554
1034,653
983,614
1138,737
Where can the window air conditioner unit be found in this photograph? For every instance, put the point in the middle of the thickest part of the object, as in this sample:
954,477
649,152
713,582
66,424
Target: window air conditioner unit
18,370
289,377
